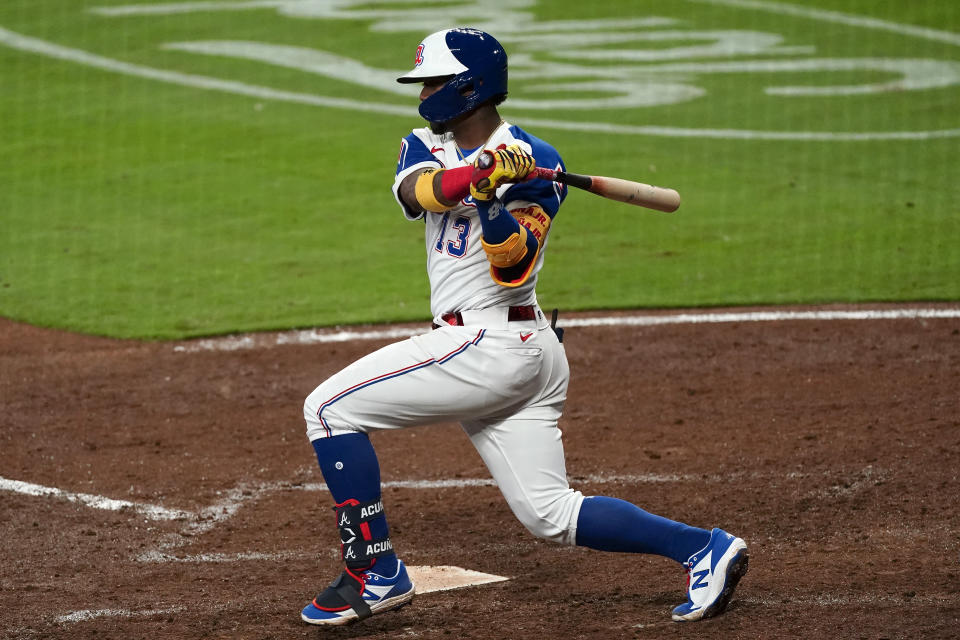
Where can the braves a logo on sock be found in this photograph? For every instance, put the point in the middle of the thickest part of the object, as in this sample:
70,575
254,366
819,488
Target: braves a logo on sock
348,554
344,518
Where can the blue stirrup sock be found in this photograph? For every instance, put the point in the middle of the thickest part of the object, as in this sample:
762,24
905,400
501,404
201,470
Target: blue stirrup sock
611,524
352,472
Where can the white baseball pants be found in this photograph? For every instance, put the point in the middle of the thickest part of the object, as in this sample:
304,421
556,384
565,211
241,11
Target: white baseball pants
505,382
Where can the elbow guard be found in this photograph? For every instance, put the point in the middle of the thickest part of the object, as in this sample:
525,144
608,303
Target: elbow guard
512,260
509,252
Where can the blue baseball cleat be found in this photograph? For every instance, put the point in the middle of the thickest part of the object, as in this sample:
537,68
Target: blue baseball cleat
712,575
356,595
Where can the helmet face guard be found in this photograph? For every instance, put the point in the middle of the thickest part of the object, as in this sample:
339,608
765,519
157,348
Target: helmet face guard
475,64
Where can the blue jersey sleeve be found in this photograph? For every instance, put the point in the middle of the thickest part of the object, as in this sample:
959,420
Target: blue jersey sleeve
549,195
412,153
413,156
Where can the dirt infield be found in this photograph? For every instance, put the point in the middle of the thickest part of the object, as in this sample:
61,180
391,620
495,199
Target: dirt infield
832,447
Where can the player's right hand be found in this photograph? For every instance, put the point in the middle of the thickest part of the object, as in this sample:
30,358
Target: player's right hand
494,167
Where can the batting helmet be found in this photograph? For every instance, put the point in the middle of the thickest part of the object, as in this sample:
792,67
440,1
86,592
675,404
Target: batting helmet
474,64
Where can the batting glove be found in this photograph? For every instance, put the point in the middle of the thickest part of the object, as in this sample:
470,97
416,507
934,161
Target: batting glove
494,167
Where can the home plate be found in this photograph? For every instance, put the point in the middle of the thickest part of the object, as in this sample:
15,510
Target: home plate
443,578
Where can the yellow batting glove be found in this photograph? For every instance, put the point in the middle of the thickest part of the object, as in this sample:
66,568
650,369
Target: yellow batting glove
517,164
495,167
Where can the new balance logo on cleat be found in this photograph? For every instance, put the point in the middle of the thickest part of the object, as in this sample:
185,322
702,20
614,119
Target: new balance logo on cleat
697,579
712,575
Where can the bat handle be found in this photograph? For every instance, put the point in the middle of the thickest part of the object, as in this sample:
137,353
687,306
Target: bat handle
544,174
572,179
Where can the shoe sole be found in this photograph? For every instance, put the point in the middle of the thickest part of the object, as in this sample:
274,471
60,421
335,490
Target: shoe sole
390,604
736,570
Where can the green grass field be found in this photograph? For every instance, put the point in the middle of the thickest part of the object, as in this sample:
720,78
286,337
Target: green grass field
181,169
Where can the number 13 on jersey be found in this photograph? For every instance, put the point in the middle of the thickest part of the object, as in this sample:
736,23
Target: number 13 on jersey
454,241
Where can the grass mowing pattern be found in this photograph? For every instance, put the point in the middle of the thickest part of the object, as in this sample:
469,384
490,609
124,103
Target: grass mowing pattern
137,208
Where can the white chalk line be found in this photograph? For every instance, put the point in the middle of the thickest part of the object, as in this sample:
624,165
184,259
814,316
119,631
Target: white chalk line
764,316
227,506
197,522
844,599
159,557
149,511
837,17
224,508
92,614
320,336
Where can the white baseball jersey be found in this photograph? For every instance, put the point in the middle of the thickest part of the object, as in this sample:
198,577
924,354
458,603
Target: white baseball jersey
504,380
456,263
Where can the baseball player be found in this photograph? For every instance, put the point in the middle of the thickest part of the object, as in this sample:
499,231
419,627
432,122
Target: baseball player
492,362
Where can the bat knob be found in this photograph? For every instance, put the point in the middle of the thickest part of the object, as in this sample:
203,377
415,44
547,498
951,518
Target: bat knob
485,161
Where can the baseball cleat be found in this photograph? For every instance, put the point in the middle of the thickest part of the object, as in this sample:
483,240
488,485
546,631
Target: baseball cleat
356,595
712,575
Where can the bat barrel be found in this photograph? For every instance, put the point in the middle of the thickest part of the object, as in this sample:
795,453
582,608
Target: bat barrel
637,193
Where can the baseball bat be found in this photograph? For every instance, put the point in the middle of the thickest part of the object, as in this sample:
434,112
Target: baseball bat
636,193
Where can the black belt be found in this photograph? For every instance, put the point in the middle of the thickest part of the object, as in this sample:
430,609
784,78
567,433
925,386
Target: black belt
527,312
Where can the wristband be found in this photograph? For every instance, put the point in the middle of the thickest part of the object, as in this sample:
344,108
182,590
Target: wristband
455,183
425,192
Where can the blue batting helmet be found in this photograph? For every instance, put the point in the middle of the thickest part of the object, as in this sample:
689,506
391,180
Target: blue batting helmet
474,64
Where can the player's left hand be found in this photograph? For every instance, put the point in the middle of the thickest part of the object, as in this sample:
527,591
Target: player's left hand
494,167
